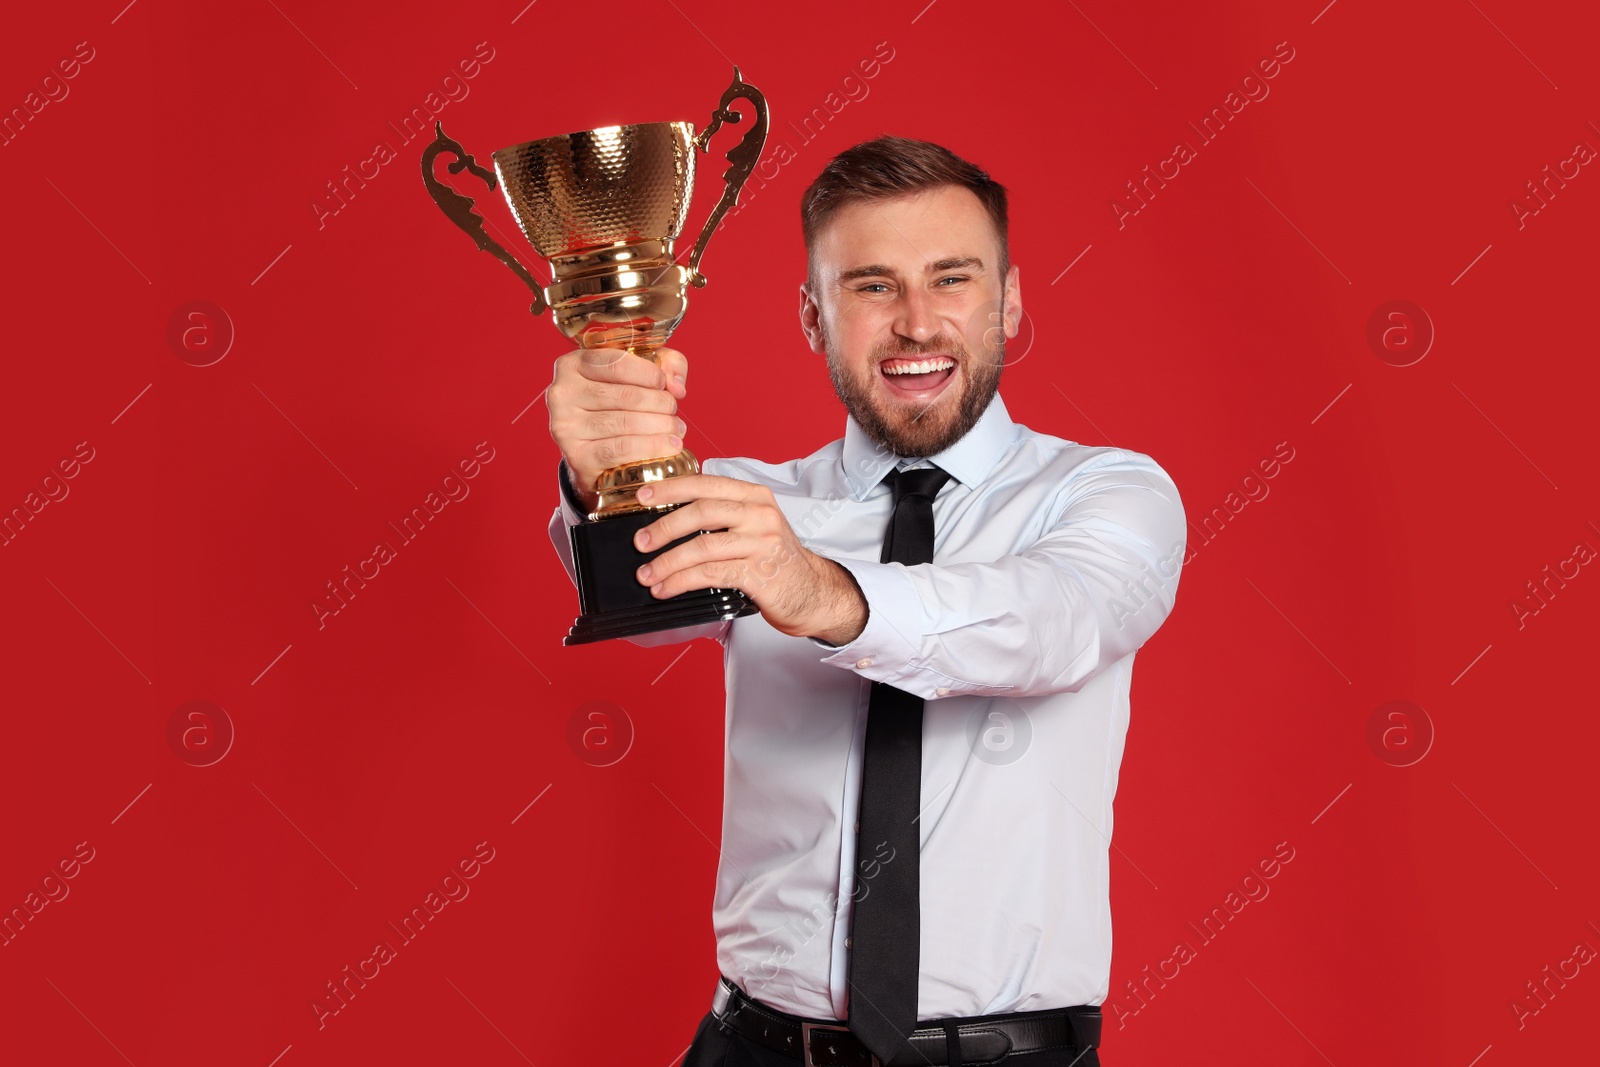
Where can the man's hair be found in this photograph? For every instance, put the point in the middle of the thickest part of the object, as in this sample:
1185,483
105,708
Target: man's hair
888,167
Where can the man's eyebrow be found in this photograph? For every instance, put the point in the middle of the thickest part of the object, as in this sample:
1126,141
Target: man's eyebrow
870,271
878,270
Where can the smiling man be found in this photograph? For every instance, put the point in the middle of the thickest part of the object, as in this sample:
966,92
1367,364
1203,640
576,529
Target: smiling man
926,719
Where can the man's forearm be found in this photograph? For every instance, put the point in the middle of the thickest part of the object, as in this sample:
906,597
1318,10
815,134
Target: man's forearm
845,613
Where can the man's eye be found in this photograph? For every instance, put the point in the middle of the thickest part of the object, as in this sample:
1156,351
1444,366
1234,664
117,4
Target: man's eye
871,285
952,278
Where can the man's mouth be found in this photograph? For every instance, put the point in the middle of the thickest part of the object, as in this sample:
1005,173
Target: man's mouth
918,379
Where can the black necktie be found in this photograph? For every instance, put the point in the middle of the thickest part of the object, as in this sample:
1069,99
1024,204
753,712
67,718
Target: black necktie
886,923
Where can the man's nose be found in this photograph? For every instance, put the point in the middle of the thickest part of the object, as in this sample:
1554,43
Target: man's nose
915,318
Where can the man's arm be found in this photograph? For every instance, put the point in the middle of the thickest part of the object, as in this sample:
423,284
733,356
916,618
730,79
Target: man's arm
1093,589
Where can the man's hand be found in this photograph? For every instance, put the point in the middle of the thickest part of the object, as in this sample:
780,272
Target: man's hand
750,547
609,407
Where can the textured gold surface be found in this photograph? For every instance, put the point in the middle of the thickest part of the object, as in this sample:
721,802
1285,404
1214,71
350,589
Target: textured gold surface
617,184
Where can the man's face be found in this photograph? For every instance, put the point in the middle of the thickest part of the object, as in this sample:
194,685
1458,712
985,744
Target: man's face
907,304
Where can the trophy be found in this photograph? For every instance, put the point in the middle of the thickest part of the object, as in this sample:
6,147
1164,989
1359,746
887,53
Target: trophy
604,207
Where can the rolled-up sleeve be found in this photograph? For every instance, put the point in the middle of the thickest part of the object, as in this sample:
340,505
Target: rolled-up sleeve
1093,589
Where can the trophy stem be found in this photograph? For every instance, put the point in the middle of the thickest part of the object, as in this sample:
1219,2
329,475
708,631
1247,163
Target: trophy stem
619,486
647,350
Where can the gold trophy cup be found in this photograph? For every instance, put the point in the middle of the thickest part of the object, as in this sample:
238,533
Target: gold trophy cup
604,206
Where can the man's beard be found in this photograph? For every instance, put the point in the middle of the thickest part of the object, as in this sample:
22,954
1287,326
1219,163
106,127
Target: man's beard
935,427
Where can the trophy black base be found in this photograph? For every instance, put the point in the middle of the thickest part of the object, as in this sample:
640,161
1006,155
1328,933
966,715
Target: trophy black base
616,604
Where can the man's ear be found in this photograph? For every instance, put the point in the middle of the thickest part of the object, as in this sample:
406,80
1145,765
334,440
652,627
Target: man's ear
810,313
1012,301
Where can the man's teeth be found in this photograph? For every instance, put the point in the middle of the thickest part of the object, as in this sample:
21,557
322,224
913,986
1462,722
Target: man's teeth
926,366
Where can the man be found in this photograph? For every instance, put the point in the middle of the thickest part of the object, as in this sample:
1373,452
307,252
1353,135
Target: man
923,730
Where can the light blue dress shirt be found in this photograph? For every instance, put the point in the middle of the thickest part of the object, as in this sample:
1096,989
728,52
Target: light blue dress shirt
1053,563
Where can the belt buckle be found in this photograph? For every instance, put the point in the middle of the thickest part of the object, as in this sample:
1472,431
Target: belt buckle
807,1029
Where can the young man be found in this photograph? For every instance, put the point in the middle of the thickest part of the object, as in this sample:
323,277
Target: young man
924,729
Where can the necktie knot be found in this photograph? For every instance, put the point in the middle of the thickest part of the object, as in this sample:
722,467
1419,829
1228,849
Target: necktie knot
921,481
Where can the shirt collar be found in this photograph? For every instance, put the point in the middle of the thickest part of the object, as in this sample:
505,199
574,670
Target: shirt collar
969,460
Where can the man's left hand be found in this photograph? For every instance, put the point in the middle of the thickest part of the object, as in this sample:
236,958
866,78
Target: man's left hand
752,548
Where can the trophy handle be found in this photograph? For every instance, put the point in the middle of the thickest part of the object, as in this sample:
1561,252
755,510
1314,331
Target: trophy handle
741,159
458,208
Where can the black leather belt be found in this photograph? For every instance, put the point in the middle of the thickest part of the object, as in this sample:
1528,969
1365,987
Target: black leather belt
978,1040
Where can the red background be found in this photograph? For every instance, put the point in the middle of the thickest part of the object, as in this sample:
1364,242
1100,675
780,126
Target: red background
374,353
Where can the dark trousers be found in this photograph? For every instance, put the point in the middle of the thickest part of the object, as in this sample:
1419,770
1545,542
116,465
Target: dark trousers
715,1047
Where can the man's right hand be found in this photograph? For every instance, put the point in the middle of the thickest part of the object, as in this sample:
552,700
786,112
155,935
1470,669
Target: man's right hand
609,407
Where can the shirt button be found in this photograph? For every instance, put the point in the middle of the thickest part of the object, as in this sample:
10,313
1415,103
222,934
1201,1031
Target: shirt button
943,691
847,942
864,662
